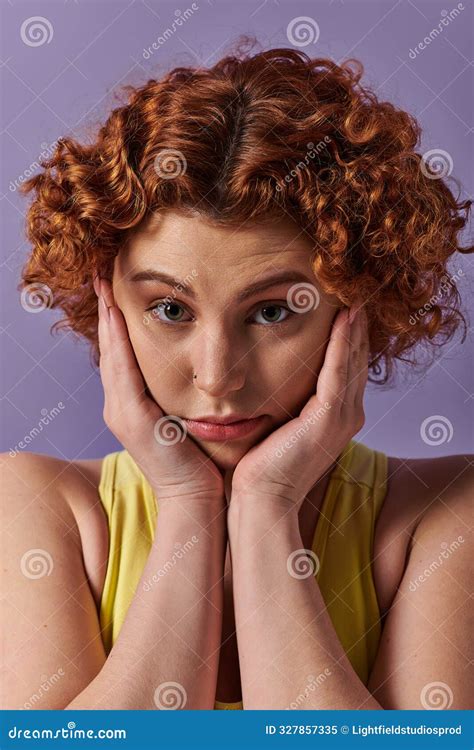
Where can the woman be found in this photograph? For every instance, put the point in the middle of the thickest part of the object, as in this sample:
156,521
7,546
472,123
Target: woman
242,545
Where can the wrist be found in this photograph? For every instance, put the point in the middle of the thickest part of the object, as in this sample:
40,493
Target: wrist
260,511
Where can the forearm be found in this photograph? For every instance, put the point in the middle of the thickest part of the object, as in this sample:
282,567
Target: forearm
172,629
285,636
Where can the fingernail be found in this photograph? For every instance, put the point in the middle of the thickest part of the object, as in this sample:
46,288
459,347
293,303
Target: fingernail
352,314
105,309
96,282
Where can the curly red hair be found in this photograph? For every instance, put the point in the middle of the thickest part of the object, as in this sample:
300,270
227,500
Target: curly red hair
274,133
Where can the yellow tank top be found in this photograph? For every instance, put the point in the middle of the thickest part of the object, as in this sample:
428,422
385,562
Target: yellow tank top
343,543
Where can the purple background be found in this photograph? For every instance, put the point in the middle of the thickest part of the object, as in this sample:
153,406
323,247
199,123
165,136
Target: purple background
63,86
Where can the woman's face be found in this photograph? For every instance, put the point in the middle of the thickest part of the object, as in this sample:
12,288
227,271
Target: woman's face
258,354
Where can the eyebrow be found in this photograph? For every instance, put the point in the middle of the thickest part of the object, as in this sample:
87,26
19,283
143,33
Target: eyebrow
282,277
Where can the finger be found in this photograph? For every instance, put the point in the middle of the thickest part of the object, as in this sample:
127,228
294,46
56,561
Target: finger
358,361
121,376
332,380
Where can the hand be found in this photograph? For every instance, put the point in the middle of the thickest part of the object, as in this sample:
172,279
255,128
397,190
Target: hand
287,464
173,466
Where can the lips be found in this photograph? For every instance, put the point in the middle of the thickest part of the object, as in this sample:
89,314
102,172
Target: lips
221,430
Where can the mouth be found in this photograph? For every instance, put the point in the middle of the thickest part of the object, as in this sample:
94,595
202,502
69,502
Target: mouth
220,429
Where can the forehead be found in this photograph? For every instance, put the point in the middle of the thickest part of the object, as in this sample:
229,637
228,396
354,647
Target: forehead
178,243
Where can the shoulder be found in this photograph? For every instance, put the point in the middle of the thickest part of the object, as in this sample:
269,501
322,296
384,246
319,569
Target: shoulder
424,529
52,530
420,492
67,491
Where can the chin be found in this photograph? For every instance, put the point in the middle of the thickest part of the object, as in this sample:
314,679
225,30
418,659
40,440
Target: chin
226,455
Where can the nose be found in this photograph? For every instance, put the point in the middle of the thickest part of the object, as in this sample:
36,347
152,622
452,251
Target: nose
218,363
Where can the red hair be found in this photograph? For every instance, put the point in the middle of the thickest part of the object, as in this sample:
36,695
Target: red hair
274,133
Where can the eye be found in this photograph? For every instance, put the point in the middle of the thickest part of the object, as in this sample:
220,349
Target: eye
272,313
171,310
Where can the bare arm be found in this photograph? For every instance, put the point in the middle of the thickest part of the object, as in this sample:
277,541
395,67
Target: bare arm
52,650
